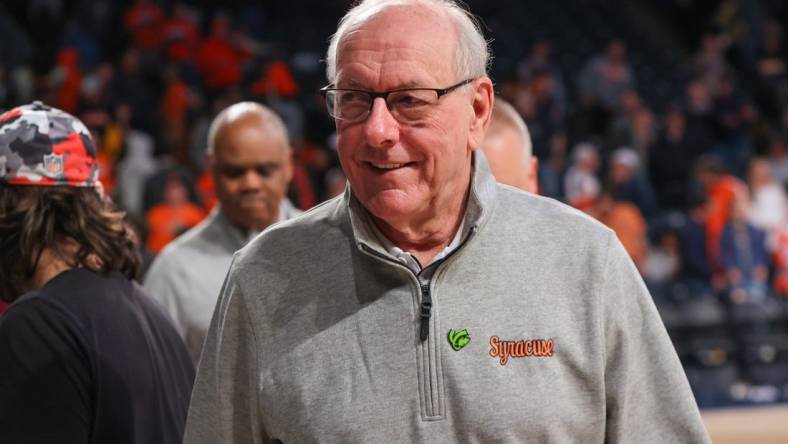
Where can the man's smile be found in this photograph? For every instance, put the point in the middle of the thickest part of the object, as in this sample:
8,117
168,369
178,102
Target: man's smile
388,166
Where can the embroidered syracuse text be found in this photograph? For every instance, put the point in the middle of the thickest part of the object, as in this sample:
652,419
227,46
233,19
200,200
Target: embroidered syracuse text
504,350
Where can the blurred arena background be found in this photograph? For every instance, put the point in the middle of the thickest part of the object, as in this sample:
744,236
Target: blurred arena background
665,119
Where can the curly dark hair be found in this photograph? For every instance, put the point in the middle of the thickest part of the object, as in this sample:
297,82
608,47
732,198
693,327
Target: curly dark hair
33,219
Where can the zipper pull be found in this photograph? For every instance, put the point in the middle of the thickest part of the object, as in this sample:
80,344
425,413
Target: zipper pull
426,311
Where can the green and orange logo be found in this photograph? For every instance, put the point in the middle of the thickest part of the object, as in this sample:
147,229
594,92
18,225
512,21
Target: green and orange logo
459,339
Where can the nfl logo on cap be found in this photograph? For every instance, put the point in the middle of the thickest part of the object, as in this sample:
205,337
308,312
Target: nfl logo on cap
53,164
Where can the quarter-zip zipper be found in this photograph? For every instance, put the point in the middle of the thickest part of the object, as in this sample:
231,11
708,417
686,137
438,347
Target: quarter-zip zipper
426,311
426,295
430,367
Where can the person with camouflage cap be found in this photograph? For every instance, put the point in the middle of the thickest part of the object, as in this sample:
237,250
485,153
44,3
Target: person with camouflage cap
45,146
86,355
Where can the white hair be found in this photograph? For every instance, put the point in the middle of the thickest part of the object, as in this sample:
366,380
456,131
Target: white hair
241,109
472,53
504,114
626,156
584,151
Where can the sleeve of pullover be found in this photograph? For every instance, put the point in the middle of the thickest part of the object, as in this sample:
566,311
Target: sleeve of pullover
648,398
224,407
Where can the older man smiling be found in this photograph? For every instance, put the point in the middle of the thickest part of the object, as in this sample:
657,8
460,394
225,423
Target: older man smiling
369,318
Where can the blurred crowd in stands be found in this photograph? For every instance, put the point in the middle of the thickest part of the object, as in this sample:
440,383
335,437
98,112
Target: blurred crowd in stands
665,120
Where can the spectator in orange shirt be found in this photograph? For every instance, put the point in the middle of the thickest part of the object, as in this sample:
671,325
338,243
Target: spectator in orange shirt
177,102
277,79
780,258
720,189
176,214
628,223
181,34
70,79
144,22
219,58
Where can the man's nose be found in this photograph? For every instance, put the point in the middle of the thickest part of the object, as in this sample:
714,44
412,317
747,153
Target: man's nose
251,180
380,128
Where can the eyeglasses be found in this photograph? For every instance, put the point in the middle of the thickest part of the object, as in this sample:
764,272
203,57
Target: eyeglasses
407,105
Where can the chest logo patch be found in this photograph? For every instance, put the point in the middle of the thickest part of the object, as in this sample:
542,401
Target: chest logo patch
459,339
524,348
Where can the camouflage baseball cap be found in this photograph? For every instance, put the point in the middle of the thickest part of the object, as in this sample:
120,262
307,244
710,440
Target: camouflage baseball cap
44,146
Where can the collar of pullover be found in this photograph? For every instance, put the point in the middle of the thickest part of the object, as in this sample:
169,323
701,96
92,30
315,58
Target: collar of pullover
238,236
480,202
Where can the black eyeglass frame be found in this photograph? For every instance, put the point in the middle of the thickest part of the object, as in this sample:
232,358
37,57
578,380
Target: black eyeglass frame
385,94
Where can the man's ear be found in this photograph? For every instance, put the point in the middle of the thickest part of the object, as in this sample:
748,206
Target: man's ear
483,99
532,183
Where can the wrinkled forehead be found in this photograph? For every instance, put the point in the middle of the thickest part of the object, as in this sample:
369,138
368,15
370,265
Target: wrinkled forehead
409,44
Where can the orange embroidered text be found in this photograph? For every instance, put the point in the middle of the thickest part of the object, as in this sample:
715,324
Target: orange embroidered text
520,349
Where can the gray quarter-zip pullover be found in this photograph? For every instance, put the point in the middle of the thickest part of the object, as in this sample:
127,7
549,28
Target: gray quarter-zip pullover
317,336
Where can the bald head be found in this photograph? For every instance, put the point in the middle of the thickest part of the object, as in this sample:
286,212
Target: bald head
507,146
252,112
249,155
